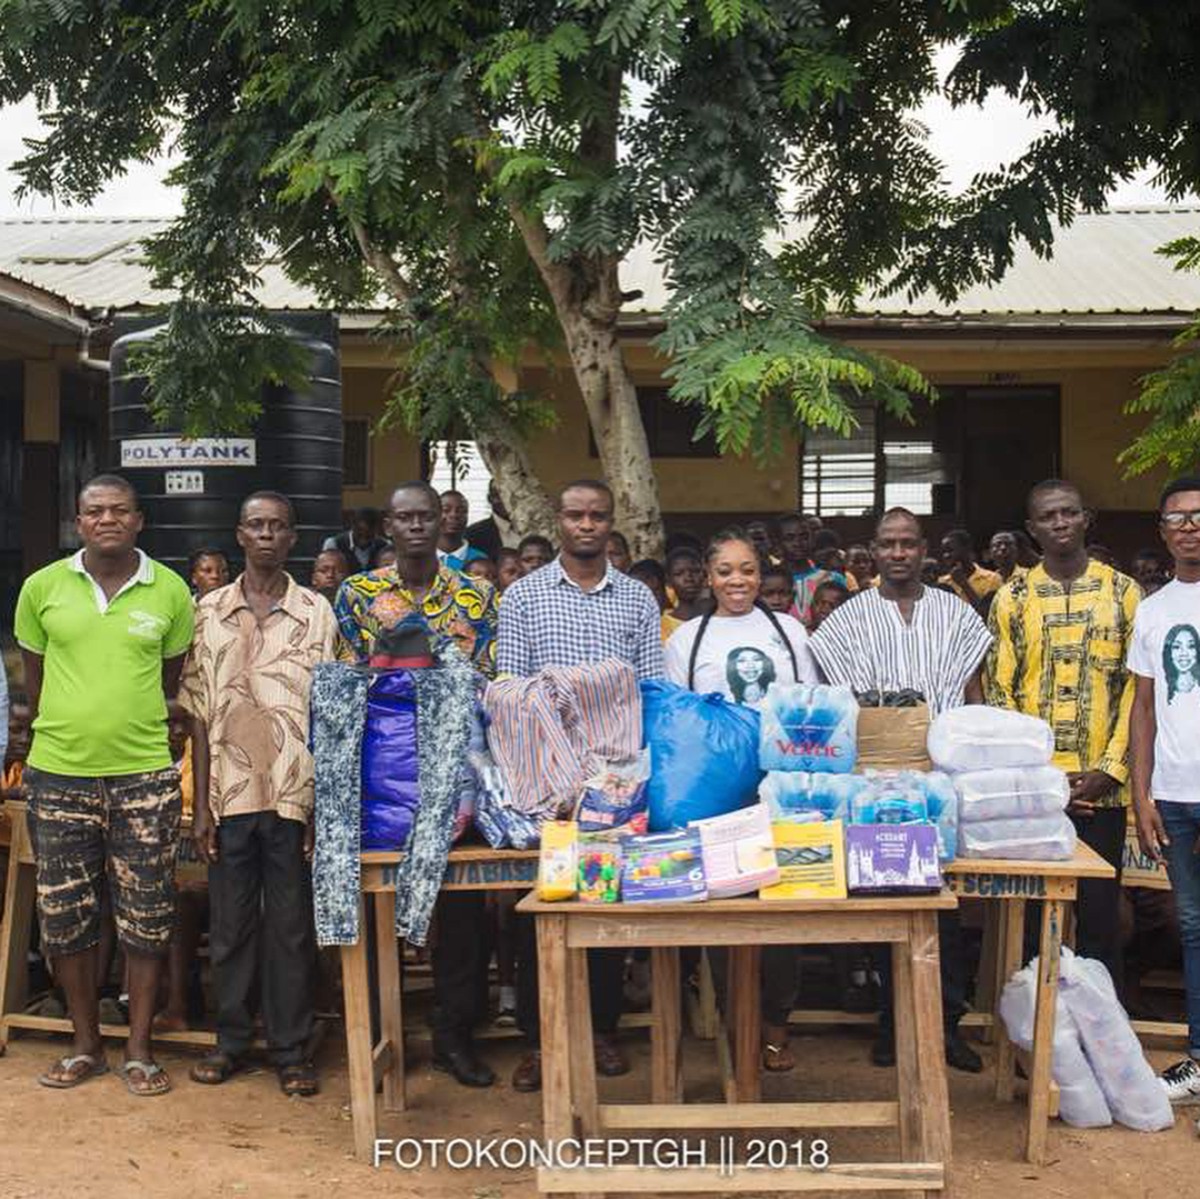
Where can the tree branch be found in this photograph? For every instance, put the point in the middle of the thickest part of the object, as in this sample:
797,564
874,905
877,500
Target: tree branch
383,264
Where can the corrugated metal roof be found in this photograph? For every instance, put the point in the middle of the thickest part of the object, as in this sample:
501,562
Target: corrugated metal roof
1103,263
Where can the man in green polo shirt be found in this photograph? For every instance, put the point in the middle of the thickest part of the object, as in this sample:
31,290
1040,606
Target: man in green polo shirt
104,634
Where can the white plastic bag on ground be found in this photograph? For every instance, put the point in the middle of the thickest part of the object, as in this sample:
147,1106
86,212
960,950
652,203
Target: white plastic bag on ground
1081,1102
975,737
1135,1096
1011,793
1040,839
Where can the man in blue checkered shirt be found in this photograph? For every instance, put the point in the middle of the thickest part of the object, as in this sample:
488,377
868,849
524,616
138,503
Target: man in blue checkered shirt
574,611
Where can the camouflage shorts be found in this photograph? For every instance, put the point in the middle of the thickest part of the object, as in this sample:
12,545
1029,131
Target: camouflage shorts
84,829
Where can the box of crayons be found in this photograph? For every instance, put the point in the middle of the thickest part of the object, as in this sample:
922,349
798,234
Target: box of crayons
662,867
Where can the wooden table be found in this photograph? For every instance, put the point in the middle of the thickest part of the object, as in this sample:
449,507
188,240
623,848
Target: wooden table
472,869
1012,884
565,931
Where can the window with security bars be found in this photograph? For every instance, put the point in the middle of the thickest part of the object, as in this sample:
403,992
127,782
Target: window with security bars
838,476
884,463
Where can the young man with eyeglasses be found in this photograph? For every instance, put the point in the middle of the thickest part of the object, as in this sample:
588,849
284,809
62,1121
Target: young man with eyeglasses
1165,749
246,687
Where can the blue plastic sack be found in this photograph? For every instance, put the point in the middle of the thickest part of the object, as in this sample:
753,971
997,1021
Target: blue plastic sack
704,752
808,726
391,789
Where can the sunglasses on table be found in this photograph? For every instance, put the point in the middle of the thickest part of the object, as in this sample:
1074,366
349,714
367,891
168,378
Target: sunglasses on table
1180,520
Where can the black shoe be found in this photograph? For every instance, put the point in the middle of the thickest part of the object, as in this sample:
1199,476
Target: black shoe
960,1055
883,1052
458,1059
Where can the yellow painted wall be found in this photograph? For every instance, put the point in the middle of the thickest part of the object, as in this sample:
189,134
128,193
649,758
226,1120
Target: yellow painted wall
395,456
726,484
1095,381
1096,378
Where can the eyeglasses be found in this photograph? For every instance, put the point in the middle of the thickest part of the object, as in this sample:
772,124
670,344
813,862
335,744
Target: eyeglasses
1181,520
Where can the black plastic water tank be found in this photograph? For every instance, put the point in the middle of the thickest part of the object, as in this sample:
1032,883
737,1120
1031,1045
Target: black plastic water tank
191,491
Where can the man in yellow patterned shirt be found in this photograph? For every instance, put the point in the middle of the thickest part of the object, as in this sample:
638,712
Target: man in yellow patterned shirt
1060,640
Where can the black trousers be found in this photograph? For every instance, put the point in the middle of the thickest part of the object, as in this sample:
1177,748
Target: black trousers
606,982
952,960
779,966
459,960
1097,901
260,897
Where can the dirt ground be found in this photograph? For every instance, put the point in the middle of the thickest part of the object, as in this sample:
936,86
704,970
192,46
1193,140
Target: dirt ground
244,1138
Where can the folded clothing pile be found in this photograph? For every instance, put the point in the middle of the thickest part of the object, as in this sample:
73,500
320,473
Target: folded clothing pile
1011,801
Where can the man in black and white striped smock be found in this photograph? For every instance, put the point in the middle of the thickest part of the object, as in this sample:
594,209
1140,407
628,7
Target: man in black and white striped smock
898,636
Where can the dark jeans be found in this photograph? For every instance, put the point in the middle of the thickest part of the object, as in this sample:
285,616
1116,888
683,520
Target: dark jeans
260,893
459,960
606,982
952,956
1182,824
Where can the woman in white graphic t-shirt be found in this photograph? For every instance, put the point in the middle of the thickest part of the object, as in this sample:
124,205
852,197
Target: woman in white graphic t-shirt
741,647
739,650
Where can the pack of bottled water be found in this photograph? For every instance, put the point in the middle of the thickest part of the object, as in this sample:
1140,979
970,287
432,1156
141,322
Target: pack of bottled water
809,727
802,795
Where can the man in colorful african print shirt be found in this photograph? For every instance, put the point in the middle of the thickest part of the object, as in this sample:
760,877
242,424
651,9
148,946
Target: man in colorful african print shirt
1060,639
452,609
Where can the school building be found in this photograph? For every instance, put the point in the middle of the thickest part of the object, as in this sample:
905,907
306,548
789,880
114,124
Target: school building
1033,375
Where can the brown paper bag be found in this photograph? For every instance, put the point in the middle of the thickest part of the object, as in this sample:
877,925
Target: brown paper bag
893,739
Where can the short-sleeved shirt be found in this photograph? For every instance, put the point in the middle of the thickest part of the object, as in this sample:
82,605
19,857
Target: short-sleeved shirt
548,620
102,711
867,645
1166,648
249,682
741,656
455,609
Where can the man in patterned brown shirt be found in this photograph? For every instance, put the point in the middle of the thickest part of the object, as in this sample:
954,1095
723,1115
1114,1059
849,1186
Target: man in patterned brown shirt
246,686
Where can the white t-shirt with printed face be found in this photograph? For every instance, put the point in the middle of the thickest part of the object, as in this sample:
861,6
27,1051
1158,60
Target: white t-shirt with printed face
740,656
1166,648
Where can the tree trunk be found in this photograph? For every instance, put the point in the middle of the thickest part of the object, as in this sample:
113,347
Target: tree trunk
589,322
529,508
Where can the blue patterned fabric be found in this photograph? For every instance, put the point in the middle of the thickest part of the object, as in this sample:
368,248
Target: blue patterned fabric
338,710
447,696
446,702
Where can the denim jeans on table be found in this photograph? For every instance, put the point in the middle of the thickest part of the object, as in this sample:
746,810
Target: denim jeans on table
1182,823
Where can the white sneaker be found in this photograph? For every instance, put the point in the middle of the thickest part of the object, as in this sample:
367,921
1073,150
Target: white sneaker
1182,1081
